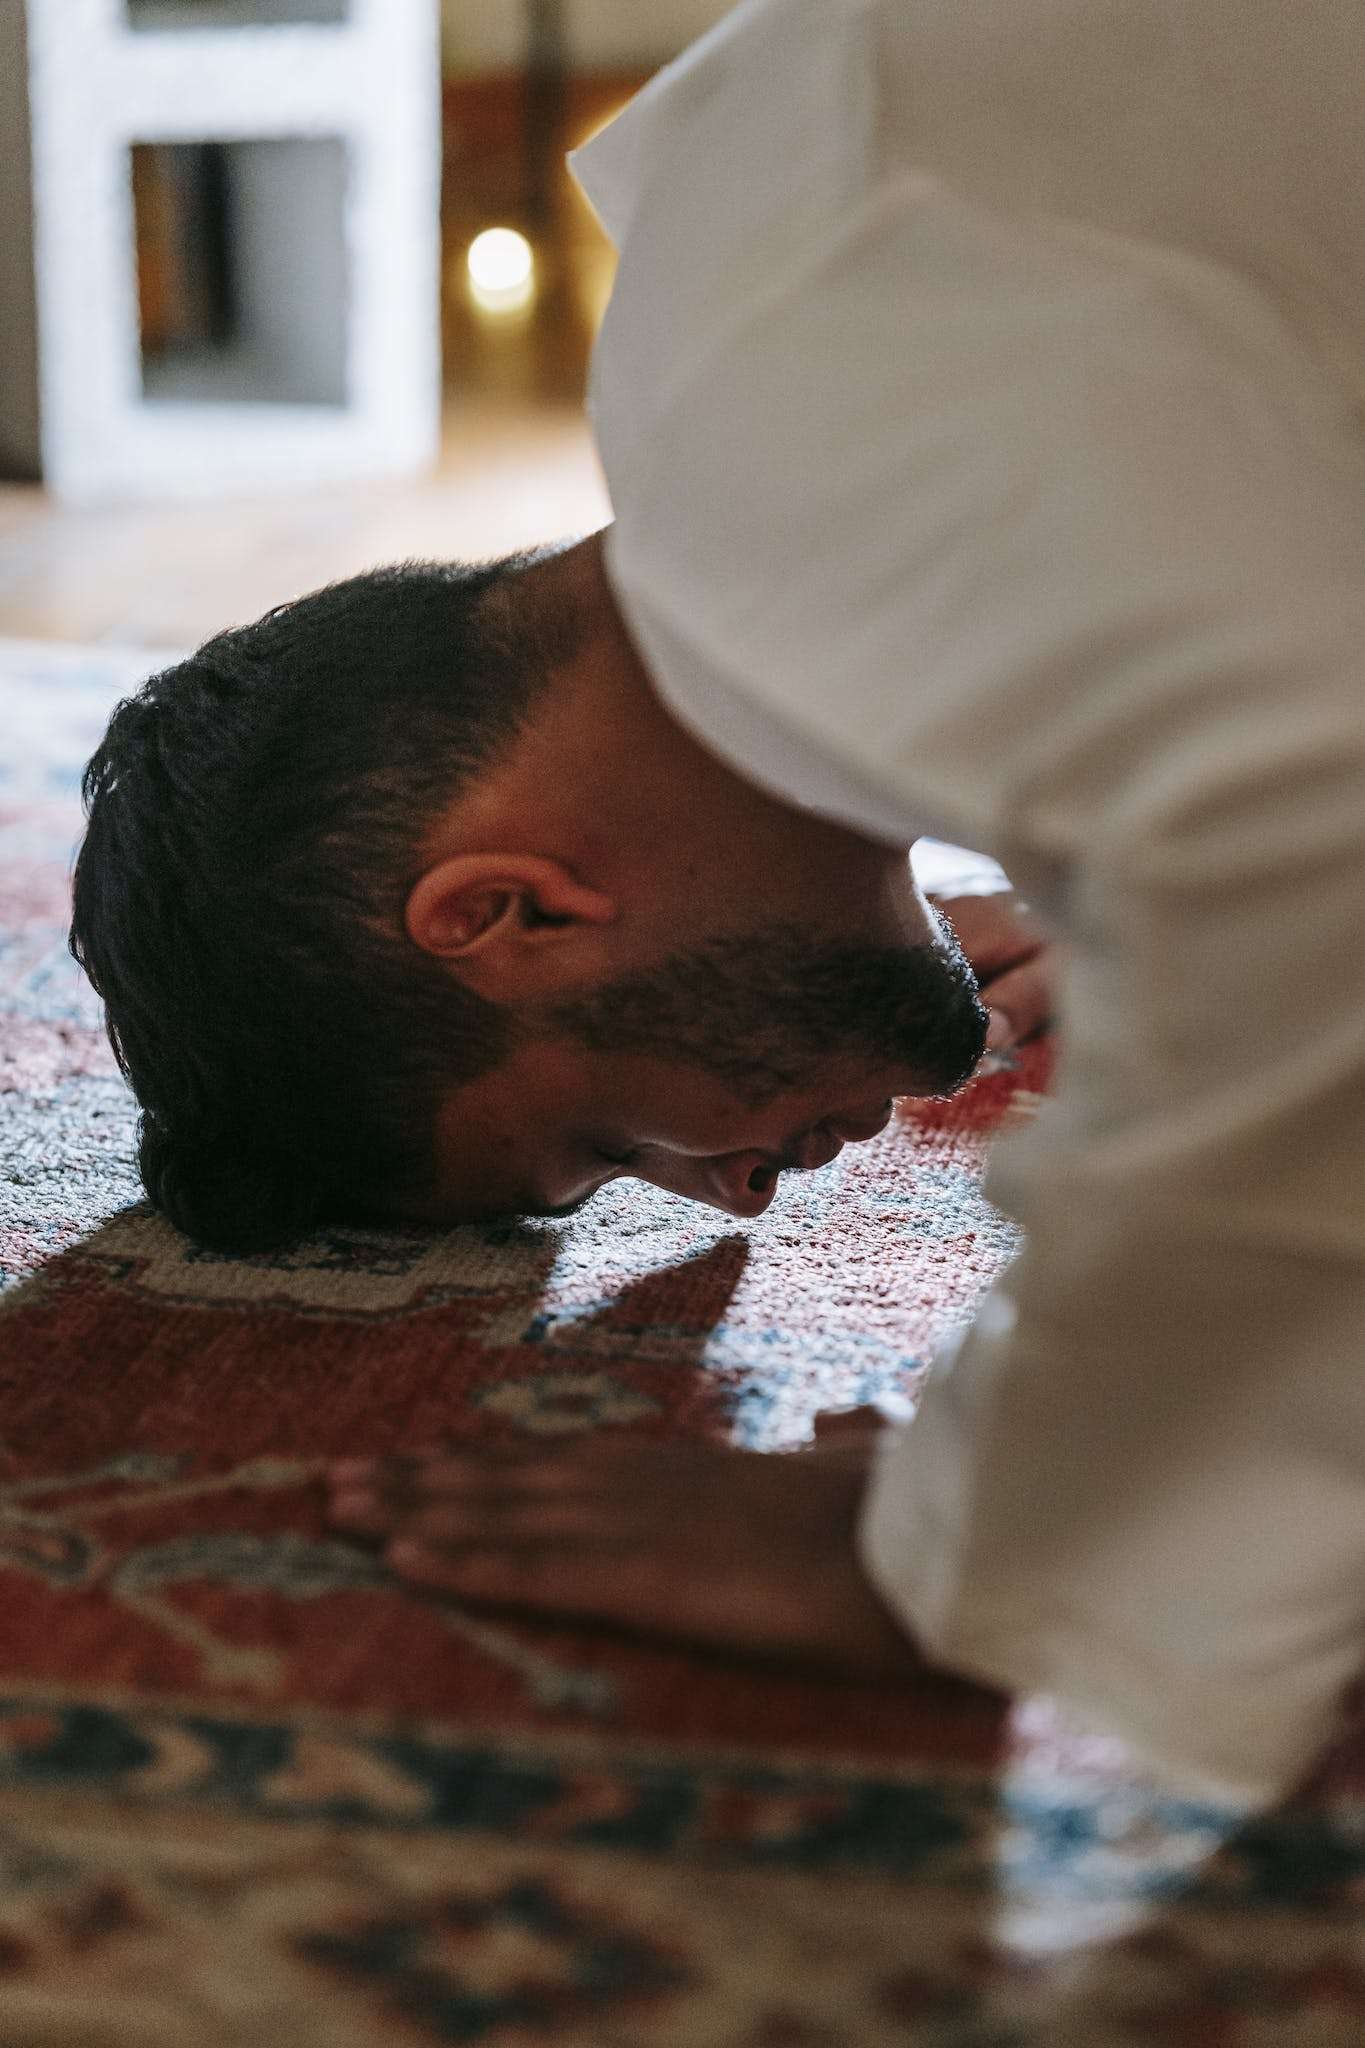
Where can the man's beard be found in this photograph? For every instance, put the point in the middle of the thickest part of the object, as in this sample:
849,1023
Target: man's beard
772,1010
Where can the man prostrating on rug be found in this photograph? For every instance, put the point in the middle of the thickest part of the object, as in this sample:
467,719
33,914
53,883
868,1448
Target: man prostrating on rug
981,401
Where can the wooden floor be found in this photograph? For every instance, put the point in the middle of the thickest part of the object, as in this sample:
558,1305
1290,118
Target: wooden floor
511,473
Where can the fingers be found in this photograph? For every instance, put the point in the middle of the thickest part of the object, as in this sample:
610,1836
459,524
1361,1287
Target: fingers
995,931
415,1477
620,1464
1017,962
432,1461
497,1542
534,1497
999,1031
479,1518
531,1464
1020,1000
493,1575
532,1581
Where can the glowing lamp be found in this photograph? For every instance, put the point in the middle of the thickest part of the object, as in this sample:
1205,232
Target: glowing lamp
501,269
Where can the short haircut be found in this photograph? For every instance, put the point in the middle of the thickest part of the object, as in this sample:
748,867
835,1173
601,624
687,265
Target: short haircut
255,819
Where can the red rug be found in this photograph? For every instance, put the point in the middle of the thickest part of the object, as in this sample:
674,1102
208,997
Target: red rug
254,1790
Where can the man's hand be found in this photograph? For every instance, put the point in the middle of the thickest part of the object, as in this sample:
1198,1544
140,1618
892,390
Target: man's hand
690,1542
1015,959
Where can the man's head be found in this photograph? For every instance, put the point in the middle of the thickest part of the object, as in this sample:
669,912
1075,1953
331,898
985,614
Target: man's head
410,901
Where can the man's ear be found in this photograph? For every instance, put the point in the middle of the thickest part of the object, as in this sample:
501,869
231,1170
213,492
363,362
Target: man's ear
514,924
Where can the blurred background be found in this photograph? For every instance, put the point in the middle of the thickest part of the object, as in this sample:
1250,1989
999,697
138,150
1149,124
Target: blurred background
525,273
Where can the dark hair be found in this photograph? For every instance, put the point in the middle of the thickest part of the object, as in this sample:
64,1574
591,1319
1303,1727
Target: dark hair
255,818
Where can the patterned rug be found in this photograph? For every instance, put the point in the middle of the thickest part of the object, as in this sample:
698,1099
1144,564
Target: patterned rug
254,1791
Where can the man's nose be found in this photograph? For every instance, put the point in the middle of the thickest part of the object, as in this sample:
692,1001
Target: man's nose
742,1183
745,1182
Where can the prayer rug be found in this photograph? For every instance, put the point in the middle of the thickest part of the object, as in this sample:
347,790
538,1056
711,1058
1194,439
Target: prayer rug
255,1791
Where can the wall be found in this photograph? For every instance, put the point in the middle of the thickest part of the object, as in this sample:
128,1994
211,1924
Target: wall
19,424
487,35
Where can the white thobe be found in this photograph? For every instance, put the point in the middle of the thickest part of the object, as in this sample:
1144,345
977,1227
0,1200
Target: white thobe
981,403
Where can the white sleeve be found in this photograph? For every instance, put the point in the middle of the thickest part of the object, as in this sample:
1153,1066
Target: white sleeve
1140,1483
